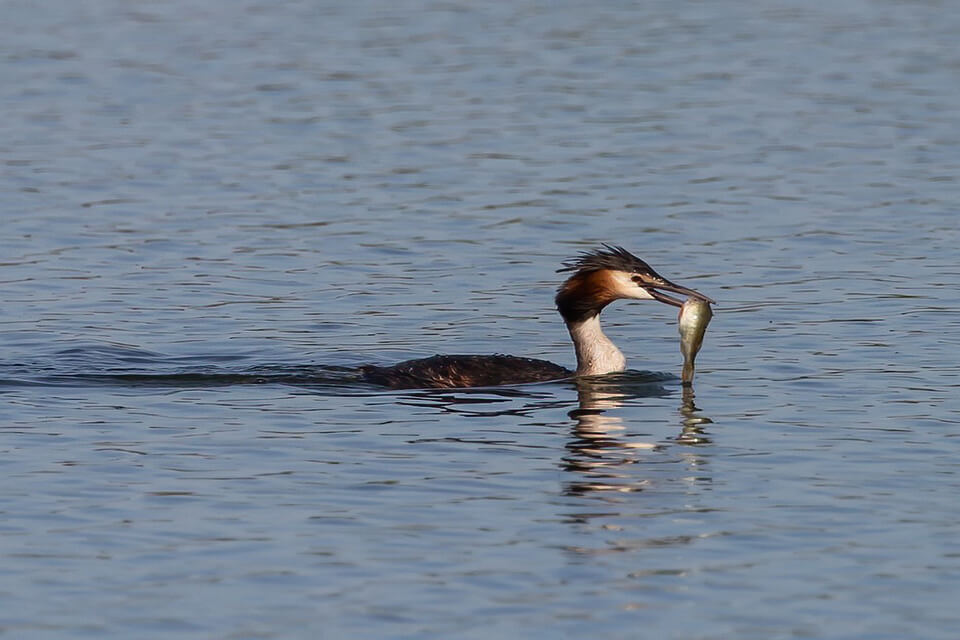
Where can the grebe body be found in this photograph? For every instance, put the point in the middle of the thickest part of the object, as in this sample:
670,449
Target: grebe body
464,371
598,278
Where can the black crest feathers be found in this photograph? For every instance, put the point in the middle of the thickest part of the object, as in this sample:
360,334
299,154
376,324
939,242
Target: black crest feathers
610,257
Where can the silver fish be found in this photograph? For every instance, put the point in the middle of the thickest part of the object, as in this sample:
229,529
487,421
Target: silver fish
694,317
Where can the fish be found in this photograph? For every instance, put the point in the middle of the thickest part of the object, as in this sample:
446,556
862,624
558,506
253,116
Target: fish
693,319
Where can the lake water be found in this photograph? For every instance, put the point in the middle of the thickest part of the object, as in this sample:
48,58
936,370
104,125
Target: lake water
213,212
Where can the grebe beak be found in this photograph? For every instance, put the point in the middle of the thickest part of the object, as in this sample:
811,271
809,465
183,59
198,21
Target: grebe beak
656,285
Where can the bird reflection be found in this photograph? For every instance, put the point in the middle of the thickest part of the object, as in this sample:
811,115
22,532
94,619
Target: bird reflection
601,451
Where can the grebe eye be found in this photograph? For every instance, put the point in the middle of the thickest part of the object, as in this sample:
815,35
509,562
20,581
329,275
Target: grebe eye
636,279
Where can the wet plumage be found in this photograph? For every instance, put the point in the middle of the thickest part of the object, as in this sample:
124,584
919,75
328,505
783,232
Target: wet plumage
464,371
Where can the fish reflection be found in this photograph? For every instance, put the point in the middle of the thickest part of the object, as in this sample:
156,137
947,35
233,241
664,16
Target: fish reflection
693,429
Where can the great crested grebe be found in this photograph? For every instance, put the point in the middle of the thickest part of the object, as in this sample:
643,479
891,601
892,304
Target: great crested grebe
599,277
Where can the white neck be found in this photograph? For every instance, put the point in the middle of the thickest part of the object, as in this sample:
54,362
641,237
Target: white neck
596,355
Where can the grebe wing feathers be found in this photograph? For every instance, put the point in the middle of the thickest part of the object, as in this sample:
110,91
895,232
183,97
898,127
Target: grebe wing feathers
464,371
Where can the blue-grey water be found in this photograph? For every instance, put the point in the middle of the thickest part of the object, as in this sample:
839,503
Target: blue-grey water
212,212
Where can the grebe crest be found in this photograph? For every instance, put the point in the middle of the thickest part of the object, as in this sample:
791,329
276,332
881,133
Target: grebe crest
599,277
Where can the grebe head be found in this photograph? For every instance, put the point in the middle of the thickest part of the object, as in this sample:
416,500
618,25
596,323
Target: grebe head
604,275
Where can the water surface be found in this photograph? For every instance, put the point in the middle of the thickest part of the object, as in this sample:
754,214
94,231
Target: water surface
212,214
